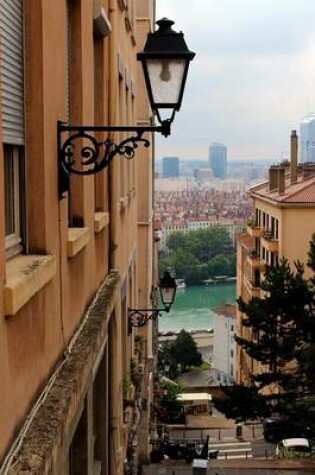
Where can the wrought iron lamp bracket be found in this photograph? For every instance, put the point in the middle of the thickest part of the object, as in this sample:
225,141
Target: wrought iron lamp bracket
81,153
138,317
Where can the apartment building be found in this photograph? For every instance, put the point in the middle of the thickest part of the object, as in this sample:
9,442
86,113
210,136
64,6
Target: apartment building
73,262
282,226
224,345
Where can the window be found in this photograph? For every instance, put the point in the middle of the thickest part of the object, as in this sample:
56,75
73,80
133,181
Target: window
276,229
257,217
272,226
13,197
12,108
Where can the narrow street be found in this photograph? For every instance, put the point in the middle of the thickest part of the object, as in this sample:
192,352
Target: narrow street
241,451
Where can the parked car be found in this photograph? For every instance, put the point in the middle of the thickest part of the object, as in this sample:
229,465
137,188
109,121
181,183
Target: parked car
182,450
294,448
275,429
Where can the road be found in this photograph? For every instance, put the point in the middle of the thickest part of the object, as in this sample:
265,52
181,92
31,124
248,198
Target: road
159,470
249,455
239,454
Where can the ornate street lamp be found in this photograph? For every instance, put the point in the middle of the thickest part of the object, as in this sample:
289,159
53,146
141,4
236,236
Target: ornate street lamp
165,60
167,287
138,317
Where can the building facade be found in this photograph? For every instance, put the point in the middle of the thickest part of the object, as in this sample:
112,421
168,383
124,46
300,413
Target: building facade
218,160
75,376
170,167
307,139
224,345
281,227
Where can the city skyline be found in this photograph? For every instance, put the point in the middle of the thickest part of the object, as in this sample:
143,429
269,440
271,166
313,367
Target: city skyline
253,78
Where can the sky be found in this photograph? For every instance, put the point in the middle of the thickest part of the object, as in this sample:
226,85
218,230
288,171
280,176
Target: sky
252,79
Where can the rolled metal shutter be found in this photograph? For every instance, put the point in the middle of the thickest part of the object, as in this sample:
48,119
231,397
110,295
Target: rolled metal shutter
12,71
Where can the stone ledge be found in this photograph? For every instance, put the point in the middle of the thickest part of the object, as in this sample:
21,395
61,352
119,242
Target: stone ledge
44,441
101,220
25,276
77,240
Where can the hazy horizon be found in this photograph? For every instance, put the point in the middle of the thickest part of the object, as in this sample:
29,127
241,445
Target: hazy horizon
252,80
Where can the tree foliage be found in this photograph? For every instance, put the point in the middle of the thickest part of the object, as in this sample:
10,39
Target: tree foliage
198,255
180,353
282,338
185,351
167,408
241,403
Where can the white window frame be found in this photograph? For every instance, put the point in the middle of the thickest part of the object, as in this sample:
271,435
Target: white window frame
13,241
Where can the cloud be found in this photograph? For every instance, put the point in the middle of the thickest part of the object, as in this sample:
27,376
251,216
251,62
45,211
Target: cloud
252,79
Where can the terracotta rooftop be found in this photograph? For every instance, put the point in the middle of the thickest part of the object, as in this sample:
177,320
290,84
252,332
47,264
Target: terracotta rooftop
301,192
228,310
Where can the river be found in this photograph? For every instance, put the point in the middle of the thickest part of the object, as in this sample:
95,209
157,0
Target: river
192,309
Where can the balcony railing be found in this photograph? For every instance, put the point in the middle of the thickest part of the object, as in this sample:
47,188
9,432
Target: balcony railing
267,234
268,241
253,229
253,286
253,258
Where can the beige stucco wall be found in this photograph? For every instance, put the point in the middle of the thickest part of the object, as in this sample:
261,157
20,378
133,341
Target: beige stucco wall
296,226
296,232
32,341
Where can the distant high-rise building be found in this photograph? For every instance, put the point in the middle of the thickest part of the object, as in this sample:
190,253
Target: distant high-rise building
307,139
170,167
218,160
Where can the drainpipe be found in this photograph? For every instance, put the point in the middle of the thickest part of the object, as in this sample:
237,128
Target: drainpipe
113,172
293,157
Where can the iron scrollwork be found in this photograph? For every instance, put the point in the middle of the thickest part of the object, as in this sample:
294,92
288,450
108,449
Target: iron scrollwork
140,317
81,153
96,156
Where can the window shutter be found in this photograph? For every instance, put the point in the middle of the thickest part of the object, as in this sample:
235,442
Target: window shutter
12,71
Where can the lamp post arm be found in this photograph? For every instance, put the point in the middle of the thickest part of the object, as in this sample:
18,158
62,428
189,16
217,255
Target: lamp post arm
138,317
81,153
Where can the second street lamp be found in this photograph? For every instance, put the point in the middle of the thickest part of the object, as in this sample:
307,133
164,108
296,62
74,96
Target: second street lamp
138,317
165,60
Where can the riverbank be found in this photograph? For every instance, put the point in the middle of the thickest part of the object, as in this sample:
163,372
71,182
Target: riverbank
203,338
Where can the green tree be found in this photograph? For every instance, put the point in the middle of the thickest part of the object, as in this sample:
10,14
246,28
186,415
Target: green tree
176,240
241,403
219,265
281,326
166,357
276,319
191,254
168,409
184,351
